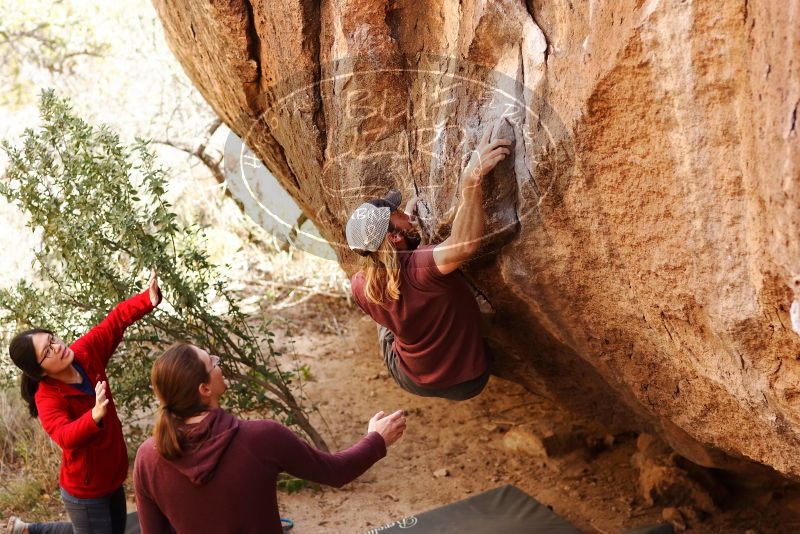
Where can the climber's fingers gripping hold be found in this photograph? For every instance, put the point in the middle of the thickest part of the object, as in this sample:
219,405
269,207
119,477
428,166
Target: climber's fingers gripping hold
496,144
496,152
501,151
485,156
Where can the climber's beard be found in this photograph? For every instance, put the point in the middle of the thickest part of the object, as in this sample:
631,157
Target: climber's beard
413,238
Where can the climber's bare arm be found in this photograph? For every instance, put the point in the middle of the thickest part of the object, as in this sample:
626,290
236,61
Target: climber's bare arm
467,228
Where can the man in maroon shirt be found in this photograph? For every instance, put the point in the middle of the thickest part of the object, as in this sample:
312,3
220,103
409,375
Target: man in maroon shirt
429,321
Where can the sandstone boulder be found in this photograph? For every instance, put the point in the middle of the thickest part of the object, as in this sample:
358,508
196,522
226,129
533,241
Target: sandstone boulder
647,225
663,482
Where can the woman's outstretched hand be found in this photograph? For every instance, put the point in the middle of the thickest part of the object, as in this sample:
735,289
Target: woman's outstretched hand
390,427
155,291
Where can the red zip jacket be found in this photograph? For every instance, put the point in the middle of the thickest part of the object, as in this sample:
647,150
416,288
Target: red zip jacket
94,459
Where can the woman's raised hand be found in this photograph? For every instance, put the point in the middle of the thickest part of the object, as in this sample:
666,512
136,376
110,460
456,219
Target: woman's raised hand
390,427
100,403
155,291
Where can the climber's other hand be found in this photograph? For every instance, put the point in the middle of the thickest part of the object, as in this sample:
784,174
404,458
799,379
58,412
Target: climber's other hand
412,211
411,206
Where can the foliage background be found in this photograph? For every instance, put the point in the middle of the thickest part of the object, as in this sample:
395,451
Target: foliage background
135,86
110,59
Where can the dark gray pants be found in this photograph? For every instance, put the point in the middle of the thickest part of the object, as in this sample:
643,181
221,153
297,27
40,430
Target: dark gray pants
463,391
103,515
50,528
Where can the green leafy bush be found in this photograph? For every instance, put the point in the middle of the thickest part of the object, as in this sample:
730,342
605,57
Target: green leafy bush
104,223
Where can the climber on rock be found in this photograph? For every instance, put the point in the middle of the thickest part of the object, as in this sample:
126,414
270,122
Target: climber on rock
428,319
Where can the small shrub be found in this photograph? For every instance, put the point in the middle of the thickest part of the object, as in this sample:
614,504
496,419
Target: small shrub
290,484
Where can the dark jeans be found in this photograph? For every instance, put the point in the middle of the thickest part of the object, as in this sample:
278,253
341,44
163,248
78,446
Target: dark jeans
103,515
50,528
463,391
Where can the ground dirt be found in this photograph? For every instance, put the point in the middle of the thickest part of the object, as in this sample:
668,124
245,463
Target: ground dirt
597,492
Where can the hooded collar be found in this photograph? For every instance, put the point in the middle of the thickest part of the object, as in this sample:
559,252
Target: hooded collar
207,442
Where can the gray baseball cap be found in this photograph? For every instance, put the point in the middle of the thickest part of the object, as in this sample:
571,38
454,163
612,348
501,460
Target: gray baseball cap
368,224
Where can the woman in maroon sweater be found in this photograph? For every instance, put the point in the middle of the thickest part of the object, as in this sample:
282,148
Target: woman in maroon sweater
204,470
67,388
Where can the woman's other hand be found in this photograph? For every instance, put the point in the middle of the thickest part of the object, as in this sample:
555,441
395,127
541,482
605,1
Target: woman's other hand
100,403
390,427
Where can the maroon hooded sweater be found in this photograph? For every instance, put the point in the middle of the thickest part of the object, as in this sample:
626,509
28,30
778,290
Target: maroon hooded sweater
228,483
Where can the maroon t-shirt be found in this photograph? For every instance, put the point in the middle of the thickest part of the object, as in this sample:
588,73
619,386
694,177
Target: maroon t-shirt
436,322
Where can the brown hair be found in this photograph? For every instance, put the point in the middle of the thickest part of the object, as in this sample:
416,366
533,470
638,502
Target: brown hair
176,376
382,274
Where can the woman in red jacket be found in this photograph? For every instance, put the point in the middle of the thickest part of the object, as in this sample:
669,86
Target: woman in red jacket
205,470
67,388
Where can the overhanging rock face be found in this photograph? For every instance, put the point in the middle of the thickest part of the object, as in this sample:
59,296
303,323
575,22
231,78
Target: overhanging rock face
645,245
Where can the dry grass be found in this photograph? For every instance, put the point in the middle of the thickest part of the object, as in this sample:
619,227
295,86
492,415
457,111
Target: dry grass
264,276
286,279
29,463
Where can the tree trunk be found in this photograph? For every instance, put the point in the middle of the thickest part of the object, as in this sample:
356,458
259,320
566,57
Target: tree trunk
643,238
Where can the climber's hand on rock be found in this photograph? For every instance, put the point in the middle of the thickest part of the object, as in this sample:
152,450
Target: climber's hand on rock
485,157
411,209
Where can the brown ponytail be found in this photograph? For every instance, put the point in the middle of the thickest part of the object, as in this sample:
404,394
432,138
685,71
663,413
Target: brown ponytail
24,357
176,376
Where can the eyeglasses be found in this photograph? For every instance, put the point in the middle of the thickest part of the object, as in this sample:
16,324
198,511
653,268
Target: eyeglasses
214,361
51,340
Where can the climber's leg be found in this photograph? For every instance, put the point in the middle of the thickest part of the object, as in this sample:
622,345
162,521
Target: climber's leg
390,358
463,391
